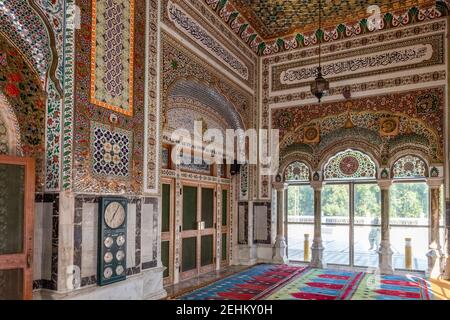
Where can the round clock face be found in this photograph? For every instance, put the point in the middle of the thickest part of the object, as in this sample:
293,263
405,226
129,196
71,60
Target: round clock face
107,273
120,240
119,270
108,257
108,242
120,255
114,215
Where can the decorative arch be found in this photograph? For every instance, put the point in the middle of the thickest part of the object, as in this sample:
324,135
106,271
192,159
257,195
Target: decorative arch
208,98
363,130
297,171
296,153
409,166
350,164
180,66
23,91
25,25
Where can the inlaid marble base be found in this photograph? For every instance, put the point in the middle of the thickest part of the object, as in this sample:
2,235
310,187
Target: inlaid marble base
144,286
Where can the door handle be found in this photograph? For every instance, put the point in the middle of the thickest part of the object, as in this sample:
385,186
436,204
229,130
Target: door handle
29,260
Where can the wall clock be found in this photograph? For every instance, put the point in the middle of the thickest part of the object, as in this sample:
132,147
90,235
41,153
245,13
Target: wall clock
112,232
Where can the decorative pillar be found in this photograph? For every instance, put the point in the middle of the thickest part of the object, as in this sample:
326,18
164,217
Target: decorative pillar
447,243
279,255
384,251
434,253
317,247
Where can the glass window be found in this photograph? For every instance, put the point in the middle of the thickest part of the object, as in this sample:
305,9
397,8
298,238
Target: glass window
300,203
336,223
409,219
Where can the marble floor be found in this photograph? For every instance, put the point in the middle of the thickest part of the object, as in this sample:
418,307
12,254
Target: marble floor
200,281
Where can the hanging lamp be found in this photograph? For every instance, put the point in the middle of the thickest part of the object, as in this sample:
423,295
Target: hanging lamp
320,86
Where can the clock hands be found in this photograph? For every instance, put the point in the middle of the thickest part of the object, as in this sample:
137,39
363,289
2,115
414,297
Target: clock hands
114,214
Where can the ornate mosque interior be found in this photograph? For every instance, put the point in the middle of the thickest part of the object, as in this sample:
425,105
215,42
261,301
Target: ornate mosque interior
99,100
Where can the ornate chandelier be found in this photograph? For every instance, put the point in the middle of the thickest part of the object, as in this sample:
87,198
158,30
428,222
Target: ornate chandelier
320,86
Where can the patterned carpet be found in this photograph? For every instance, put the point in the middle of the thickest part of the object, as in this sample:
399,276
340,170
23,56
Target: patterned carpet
251,284
287,282
393,288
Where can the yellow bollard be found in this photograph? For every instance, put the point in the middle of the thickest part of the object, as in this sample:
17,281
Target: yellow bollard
306,248
408,253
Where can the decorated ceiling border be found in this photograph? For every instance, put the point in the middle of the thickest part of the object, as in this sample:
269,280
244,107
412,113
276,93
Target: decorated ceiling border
406,54
195,29
237,22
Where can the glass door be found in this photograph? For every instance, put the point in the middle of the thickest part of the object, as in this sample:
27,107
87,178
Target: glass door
224,260
367,224
300,222
189,233
336,223
409,223
17,179
167,230
207,230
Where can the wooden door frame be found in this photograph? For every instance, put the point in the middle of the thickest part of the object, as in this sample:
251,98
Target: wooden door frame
199,233
23,260
170,236
226,228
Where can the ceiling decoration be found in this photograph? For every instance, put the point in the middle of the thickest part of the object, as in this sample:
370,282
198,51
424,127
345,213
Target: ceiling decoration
272,26
279,18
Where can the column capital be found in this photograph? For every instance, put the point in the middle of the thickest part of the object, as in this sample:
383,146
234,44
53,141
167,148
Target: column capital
384,184
435,183
280,186
316,185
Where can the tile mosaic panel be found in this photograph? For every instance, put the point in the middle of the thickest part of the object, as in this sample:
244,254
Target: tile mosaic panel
112,54
152,146
71,16
111,151
85,112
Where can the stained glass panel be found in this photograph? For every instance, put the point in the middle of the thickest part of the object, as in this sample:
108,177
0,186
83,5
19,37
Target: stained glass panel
409,167
350,164
297,171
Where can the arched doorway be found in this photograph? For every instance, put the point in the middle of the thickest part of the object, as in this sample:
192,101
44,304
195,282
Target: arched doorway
410,204
22,146
350,205
351,212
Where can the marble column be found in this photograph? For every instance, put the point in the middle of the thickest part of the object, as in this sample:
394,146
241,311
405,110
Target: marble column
446,258
279,252
317,247
434,253
385,251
